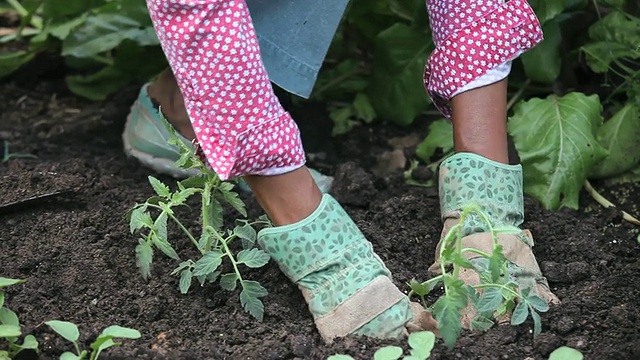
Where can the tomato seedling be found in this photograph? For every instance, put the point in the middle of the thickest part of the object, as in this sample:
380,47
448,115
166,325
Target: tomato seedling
495,296
213,243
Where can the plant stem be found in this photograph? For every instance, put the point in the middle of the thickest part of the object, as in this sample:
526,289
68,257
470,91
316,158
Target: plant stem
184,229
205,214
518,94
231,258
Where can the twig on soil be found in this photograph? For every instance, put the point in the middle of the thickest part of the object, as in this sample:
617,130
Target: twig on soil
4,208
606,203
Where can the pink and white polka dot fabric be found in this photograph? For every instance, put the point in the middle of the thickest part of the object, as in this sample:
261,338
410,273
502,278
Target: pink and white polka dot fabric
474,37
239,123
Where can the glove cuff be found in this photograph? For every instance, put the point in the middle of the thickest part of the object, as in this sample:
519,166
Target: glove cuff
469,179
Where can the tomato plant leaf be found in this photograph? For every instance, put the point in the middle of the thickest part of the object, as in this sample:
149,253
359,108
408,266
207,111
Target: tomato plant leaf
159,187
490,299
185,281
251,291
253,258
247,233
520,313
538,303
537,323
481,323
620,137
139,218
446,310
229,281
208,263
144,258
555,138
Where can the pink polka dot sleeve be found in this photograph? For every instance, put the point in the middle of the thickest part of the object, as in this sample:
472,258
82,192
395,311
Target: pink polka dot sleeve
472,38
239,123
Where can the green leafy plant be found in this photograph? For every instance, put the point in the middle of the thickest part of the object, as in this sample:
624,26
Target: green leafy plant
96,38
565,353
421,344
10,326
213,243
70,332
495,296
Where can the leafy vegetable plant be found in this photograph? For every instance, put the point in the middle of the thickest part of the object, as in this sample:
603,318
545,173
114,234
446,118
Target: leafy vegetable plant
495,296
421,344
213,243
104,341
10,326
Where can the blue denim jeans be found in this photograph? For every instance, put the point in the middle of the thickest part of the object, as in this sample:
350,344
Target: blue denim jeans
294,37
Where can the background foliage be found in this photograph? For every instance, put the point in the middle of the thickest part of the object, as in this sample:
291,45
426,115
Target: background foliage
575,98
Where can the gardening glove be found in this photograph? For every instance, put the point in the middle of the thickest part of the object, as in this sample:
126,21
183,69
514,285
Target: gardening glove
346,285
468,179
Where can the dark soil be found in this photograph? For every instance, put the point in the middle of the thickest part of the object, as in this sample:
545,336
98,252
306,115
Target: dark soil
77,255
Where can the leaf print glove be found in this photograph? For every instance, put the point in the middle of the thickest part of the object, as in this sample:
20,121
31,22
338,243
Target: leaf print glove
467,179
346,285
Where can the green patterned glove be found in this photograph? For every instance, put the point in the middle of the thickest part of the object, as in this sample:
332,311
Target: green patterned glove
469,179
348,288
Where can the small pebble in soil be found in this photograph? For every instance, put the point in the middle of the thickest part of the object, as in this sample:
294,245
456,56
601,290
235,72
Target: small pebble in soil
577,342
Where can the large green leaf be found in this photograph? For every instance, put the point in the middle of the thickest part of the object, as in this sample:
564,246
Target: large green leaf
10,62
615,36
549,9
104,32
440,136
543,62
397,89
556,140
620,136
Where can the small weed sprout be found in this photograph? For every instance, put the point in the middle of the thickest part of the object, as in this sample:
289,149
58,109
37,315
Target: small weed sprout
496,295
213,242
421,344
10,326
104,341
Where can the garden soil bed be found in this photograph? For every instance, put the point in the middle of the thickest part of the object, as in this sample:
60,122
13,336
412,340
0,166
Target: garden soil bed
77,255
